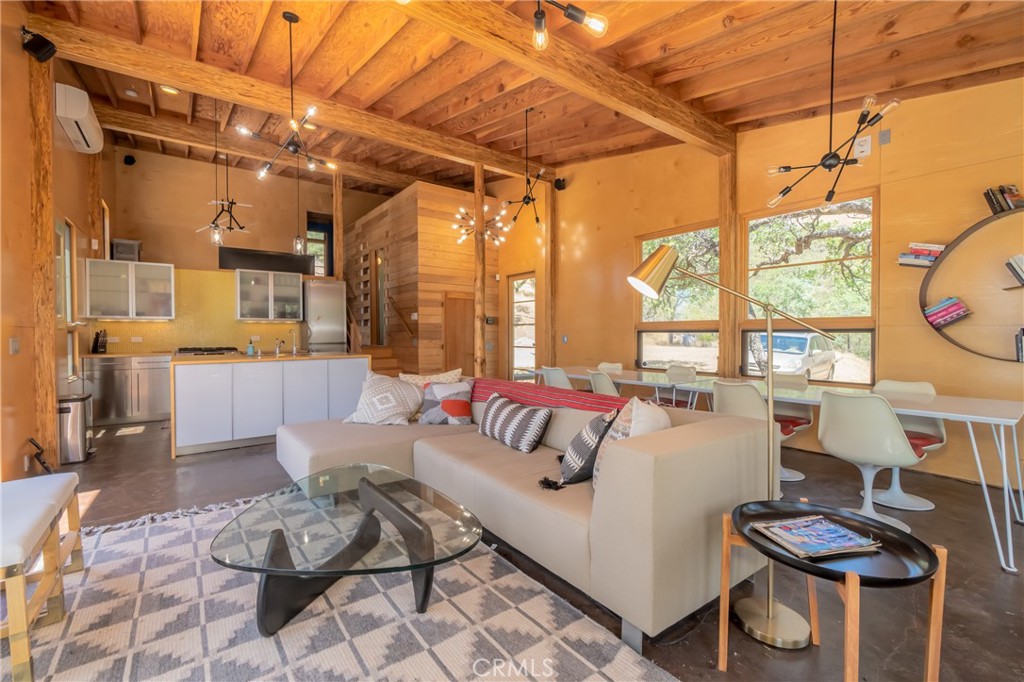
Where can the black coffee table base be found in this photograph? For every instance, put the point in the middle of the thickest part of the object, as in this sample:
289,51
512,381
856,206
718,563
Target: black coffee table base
281,596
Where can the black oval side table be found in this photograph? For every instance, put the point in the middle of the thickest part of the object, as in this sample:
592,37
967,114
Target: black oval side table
902,560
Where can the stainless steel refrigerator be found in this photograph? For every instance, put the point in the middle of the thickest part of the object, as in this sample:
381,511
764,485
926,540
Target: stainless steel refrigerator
326,325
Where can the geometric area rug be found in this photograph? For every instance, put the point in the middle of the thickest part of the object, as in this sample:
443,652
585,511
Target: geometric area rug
151,605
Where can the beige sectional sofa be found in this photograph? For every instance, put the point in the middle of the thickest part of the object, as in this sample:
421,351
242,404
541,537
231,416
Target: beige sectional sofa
646,543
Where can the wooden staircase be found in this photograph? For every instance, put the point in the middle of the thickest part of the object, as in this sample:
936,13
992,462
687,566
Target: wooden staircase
383,360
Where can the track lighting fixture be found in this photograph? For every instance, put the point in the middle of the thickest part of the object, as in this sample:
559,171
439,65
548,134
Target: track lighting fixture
293,144
838,156
595,24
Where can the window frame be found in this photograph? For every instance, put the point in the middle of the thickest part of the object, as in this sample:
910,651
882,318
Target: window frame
319,222
511,280
639,360
680,326
838,325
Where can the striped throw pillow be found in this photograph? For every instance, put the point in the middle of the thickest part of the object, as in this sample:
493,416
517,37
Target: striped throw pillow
517,426
578,463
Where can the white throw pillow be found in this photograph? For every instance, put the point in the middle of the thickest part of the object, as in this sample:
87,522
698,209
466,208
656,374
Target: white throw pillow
386,400
636,418
422,380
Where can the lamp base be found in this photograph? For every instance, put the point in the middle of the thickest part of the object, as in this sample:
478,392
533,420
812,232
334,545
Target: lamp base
786,629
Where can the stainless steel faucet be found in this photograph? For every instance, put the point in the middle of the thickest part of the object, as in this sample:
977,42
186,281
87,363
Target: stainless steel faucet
277,346
295,347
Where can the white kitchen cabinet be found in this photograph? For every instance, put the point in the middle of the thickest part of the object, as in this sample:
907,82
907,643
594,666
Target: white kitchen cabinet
305,391
263,295
346,379
129,290
202,404
257,399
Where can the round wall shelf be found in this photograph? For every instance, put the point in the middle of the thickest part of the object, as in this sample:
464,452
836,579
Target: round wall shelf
963,236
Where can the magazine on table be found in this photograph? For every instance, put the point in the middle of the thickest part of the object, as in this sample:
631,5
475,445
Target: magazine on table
815,537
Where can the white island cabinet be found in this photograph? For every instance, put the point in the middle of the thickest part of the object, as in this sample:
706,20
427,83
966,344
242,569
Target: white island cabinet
257,399
230,403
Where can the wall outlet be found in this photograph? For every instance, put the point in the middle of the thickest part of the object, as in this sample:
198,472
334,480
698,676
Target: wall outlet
862,147
255,338
565,339
14,345
94,244
414,316
113,339
136,339
885,136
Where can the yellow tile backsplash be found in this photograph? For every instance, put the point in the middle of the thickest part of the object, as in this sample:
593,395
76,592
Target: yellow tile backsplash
204,302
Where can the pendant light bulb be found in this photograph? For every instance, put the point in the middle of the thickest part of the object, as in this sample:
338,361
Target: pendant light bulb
311,111
293,124
869,102
893,103
778,170
332,165
595,24
243,131
299,246
774,201
311,165
540,30
216,235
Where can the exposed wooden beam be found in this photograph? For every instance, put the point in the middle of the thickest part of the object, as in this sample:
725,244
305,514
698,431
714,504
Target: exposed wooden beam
108,52
197,19
503,34
323,27
160,146
250,48
74,11
338,217
136,20
108,86
44,379
191,108
193,136
152,98
479,275
131,140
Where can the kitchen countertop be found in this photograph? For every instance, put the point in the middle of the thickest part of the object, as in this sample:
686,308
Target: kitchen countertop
148,354
267,357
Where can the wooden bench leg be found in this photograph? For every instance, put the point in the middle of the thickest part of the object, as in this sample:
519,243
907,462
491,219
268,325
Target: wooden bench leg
75,529
812,609
936,603
52,570
723,598
17,622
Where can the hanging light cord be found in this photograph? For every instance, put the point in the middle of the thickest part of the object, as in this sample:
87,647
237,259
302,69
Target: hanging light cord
832,75
528,198
291,71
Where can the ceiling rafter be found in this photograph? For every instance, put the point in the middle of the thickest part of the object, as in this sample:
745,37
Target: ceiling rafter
136,20
171,130
197,20
108,52
499,32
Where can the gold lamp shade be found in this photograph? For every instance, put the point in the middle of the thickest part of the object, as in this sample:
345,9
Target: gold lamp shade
650,277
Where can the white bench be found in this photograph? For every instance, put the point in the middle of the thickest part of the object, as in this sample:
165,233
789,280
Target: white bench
32,509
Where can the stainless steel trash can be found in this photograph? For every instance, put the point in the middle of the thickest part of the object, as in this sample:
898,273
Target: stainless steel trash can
75,423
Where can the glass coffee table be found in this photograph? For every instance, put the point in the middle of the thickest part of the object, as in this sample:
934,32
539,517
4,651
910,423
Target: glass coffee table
355,519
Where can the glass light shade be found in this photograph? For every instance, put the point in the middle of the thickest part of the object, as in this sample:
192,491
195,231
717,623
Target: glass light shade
595,24
775,201
299,246
650,277
311,165
311,111
893,103
216,235
332,165
869,101
308,126
540,40
293,124
242,130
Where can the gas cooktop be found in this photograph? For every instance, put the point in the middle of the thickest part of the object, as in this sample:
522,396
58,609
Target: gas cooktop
207,350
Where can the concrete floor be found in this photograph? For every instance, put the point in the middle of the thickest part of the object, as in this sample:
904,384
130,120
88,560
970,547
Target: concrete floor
132,475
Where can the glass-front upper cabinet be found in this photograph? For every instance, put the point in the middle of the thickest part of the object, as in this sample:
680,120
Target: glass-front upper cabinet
287,296
269,295
154,290
109,288
131,290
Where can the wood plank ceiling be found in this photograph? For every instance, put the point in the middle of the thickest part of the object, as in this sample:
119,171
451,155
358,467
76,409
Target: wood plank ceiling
741,64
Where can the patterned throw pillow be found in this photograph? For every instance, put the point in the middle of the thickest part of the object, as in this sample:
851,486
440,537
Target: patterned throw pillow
448,403
578,463
386,400
517,426
635,419
422,380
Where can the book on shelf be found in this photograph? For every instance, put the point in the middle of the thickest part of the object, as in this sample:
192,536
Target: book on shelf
1017,275
918,256
1014,198
995,204
945,312
1017,262
815,537
927,247
1018,344
914,263
914,251
951,318
949,300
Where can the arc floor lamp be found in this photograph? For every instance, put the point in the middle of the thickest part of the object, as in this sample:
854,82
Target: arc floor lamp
767,621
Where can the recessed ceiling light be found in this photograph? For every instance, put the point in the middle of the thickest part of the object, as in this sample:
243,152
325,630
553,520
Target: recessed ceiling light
169,89
131,92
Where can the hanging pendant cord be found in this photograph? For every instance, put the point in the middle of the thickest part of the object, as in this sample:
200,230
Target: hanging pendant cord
291,72
216,127
298,212
832,74
526,153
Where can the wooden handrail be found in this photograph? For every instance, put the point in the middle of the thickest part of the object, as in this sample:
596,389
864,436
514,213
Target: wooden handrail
401,317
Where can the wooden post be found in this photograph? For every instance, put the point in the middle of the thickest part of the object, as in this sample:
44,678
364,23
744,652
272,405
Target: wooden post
731,271
40,81
337,204
479,273
95,198
551,273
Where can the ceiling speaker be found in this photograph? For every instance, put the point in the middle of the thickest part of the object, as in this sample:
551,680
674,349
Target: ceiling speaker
129,160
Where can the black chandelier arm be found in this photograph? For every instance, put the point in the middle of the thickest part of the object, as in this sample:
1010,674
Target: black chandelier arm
801,178
843,165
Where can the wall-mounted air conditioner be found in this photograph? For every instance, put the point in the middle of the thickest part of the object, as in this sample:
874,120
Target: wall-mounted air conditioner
75,115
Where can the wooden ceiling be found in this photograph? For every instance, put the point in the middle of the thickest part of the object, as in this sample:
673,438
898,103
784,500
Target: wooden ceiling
437,75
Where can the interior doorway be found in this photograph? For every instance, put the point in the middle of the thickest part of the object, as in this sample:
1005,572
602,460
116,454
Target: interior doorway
458,332
522,342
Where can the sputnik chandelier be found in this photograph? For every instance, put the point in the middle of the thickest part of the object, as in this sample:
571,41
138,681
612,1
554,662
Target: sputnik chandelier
494,226
595,24
528,198
293,143
838,156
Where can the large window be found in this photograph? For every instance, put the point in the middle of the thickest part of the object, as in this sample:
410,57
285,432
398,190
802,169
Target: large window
523,330
681,326
319,244
815,264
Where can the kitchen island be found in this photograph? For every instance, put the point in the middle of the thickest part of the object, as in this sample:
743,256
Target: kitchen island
230,401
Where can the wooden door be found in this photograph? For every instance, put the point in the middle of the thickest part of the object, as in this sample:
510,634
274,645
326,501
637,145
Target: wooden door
458,333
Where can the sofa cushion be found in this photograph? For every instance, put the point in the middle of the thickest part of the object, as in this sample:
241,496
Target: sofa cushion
578,463
304,449
385,400
515,425
447,403
635,419
544,396
421,380
23,526
500,488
